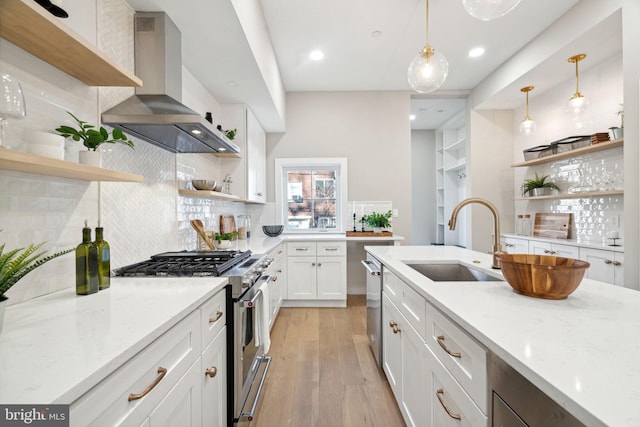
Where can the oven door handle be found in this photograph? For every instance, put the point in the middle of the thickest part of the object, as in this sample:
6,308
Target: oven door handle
249,298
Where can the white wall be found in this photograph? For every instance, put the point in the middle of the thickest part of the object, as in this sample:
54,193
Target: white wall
370,129
423,177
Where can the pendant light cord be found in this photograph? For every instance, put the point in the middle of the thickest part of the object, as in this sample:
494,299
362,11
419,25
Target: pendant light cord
427,22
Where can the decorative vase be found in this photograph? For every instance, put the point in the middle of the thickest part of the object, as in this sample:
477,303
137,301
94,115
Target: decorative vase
223,244
541,191
90,158
617,133
3,305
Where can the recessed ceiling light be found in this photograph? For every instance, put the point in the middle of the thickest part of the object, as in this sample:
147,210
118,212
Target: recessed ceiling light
376,34
196,132
476,52
412,117
316,55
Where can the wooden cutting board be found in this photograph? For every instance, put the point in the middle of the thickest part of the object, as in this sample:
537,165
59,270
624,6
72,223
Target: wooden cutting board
553,225
227,224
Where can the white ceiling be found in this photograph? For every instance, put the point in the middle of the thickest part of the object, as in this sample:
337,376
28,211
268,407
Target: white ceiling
216,52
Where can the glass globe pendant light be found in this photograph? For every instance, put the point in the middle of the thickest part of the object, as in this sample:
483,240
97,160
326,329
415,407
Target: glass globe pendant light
428,70
527,126
486,10
578,103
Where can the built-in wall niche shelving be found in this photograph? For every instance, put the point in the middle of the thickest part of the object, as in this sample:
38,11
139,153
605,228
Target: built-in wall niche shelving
29,26
30,163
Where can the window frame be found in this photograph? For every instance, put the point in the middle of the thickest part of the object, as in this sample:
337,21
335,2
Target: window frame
283,165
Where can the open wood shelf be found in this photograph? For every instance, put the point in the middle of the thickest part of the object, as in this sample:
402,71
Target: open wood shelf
29,26
209,195
572,153
575,195
30,163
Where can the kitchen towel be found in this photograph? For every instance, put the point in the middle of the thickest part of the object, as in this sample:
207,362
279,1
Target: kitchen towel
262,318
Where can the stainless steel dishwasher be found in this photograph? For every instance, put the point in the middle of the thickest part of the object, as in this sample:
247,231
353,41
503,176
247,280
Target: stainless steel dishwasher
374,306
516,402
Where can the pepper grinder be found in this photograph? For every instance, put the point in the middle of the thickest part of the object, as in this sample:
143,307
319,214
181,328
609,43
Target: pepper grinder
354,223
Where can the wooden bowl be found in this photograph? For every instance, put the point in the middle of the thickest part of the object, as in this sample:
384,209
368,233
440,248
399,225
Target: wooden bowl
542,276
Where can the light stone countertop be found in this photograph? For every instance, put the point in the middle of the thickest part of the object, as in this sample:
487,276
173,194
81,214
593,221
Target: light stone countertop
56,347
582,351
570,242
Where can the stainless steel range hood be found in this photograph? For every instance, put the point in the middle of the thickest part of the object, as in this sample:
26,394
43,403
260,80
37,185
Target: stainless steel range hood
156,114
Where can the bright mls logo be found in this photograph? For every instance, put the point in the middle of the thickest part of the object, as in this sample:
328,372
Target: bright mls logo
34,415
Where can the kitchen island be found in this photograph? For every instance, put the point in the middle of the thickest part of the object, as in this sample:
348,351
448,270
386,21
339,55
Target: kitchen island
582,351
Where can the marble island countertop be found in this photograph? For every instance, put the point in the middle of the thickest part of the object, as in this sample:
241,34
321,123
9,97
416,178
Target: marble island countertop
582,351
56,347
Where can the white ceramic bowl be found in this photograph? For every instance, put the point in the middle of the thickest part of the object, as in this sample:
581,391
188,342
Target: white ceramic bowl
46,144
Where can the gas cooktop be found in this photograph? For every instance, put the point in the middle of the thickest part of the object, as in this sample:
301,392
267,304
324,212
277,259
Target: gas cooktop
186,263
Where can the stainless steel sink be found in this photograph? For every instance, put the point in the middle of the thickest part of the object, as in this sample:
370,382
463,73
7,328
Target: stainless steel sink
453,273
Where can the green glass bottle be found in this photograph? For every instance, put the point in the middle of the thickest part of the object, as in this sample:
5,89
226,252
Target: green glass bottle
104,259
86,264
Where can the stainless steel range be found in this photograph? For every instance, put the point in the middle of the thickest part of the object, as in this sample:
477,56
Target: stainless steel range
247,362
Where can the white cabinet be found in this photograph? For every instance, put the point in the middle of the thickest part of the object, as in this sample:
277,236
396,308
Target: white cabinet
317,271
163,384
436,371
515,246
248,173
278,286
537,247
606,266
213,374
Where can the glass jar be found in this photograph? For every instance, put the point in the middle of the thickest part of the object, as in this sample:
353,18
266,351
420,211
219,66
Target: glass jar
244,227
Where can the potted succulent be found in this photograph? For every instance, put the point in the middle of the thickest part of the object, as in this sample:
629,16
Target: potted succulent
377,221
16,263
229,133
618,132
92,138
539,186
223,240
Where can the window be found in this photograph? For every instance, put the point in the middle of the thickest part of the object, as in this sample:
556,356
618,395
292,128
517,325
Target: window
310,194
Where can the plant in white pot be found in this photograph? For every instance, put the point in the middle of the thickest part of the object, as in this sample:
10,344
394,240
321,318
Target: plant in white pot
618,132
378,221
539,186
223,240
17,263
92,138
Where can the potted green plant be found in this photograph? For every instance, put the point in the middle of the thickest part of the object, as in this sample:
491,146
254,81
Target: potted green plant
16,263
223,240
378,221
92,138
539,186
618,132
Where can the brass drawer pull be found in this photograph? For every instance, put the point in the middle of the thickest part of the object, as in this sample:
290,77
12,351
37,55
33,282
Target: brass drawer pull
211,372
439,393
608,261
331,249
394,326
616,263
279,270
302,249
444,347
161,373
218,316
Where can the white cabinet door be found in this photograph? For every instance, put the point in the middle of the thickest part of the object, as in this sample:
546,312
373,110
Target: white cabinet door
256,160
302,277
416,381
553,249
331,277
392,345
182,406
606,266
539,248
214,382
515,246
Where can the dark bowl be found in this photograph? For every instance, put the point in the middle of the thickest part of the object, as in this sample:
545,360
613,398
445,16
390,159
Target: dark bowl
272,230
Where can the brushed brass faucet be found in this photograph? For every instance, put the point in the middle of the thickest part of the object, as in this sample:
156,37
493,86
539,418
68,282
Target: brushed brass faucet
497,249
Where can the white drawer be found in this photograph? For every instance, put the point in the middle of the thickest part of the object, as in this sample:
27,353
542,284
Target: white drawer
391,286
462,355
213,316
413,306
108,404
301,248
332,248
449,400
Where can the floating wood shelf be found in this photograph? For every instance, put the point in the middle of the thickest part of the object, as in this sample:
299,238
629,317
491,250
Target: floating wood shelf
209,195
576,195
572,153
29,26
30,163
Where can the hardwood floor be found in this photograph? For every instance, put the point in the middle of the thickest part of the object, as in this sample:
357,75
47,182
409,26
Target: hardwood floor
323,373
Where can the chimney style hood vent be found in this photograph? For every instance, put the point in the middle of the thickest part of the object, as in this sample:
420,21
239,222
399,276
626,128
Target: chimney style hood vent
155,113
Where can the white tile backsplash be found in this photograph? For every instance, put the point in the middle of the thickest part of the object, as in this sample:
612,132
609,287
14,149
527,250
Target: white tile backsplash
362,208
